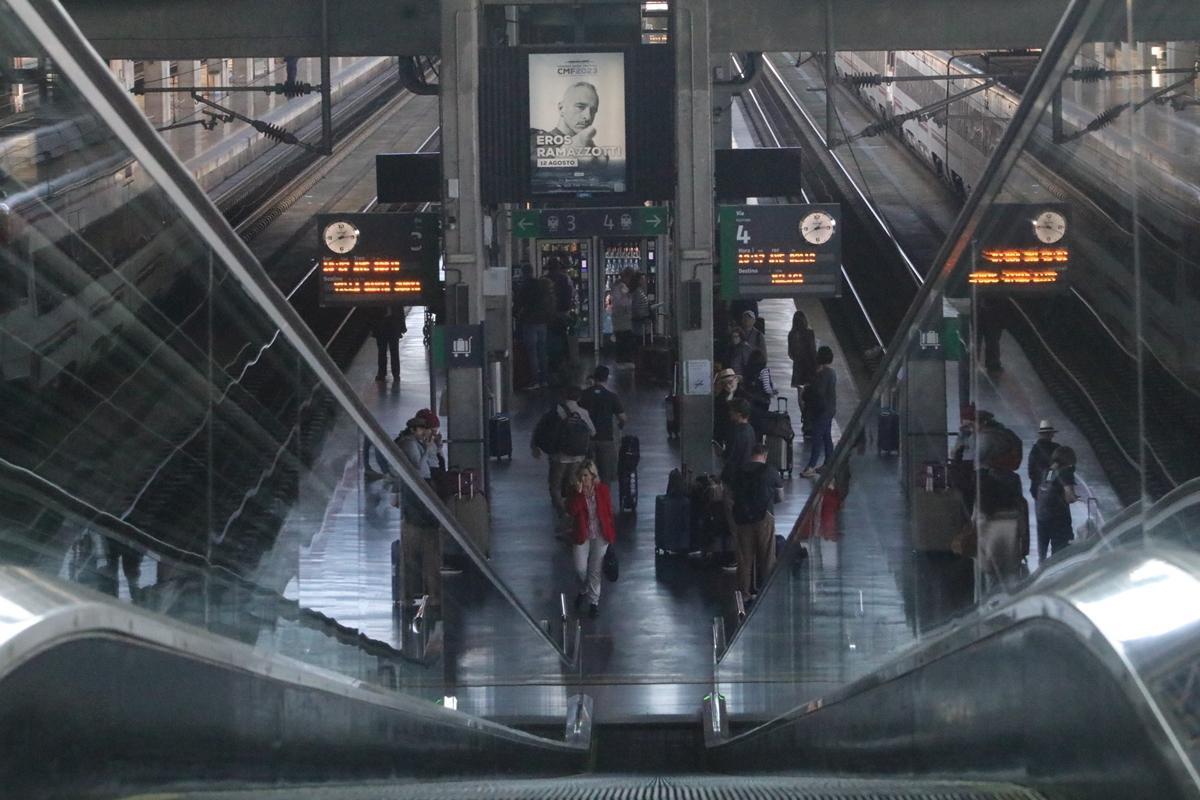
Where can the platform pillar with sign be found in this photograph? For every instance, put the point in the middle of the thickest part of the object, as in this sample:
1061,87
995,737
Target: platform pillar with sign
693,229
462,218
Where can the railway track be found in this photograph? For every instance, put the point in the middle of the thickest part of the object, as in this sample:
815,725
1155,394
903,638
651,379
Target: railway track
1091,373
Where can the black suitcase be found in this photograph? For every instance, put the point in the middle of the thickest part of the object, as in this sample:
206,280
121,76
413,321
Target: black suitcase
672,524
629,454
500,436
627,490
888,438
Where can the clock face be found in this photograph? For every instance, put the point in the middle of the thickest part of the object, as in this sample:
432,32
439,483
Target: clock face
817,227
1049,226
340,237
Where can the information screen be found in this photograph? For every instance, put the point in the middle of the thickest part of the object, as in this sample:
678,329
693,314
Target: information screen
378,259
780,251
1023,248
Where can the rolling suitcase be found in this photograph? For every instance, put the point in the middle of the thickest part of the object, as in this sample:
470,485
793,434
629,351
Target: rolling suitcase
472,514
500,437
779,435
888,439
672,524
627,474
938,519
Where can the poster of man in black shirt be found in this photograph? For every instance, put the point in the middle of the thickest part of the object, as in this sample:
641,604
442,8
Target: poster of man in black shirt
577,123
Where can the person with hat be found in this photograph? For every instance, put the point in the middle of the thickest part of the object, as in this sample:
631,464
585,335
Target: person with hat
751,334
1040,456
726,388
420,536
603,405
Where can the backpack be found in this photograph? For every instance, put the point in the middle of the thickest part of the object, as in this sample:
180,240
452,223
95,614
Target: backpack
545,433
574,435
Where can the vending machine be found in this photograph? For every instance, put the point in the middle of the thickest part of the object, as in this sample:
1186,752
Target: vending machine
619,254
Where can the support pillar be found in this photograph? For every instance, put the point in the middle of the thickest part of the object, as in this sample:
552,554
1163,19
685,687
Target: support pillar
462,215
694,220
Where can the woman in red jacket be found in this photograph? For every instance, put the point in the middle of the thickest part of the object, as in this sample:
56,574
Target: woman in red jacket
590,507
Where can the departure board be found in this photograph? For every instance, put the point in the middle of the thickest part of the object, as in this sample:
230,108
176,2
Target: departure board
780,251
378,259
1023,248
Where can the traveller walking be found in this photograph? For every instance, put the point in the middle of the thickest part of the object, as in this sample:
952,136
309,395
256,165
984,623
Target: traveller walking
821,397
622,317
534,313
754,491
1055,494
590,507
739,351
802,350
751,333
387,328
564,433
420,537
726,388
643,314
603,406
1040,456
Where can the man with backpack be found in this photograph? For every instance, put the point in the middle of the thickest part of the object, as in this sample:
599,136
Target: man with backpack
564,433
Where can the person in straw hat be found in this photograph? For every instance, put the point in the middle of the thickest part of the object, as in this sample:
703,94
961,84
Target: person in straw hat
726,387
1040,456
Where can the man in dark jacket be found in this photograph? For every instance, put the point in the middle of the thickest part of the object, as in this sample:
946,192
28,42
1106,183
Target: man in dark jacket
754,490
387,327
741,439
535,312
420,536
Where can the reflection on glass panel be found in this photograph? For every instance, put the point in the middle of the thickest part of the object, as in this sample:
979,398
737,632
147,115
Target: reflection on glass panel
1043,403
165,443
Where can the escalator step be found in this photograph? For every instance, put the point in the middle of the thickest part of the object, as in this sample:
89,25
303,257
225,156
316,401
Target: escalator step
698,787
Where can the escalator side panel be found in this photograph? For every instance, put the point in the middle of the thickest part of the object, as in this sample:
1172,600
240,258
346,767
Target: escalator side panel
104,711
1031,704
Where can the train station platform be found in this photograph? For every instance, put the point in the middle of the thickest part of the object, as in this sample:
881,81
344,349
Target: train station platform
920,211
650,650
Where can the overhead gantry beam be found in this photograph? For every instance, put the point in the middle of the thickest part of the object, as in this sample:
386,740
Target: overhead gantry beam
183,29
193,29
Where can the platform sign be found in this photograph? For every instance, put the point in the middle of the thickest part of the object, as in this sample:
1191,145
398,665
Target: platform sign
378,259
780,251
570,223
1023,248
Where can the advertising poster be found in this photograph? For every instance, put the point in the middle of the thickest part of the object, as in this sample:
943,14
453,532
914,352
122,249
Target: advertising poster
577,123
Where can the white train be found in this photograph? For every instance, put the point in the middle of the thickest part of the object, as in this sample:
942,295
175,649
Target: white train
1092,172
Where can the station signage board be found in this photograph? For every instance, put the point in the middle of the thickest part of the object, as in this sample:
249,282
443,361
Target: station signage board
780,251
582,223
378,259
1023,248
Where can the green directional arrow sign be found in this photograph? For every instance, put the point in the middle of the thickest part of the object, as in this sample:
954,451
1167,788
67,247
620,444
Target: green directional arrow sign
654,220
527,224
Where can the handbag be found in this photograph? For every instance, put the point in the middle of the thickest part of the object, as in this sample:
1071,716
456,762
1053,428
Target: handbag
611,567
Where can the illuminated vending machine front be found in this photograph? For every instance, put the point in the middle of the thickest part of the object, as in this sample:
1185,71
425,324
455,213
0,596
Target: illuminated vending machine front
619,254
575,256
